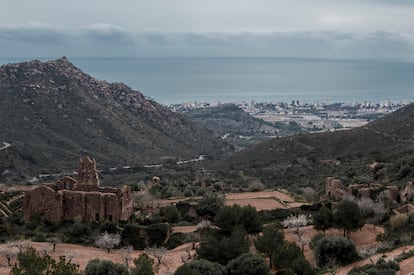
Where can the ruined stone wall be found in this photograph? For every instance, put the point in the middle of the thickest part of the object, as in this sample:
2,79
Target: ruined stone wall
43,202
82,200
66,183
408,192
94,206
335,188
112,208
126,203
72,205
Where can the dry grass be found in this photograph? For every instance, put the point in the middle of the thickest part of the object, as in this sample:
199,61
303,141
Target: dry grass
83,254
263,200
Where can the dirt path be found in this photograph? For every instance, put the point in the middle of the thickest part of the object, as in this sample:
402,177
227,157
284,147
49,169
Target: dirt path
184,229
364,238
406,266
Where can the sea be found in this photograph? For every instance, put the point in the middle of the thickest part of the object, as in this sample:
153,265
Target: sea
177,80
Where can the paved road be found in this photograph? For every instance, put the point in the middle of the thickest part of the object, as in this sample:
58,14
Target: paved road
6,145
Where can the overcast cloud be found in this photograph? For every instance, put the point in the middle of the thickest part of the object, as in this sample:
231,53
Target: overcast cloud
302,28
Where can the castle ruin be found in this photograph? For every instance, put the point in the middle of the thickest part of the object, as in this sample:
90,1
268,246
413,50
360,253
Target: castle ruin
81,200
336,190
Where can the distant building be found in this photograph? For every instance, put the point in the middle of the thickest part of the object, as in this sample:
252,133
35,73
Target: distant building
82,200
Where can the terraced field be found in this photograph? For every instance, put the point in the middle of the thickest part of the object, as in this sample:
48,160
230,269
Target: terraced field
10,202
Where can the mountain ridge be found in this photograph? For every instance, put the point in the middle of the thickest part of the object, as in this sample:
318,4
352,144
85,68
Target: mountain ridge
54,113
307,159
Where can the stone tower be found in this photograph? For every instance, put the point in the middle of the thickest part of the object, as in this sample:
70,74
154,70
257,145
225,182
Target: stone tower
87,174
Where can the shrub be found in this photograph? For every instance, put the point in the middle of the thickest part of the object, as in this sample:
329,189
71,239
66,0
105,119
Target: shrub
176,239
230,217
131,236
171,214
348,216
210,204
186,270
247,264
102,267
142,236
223,249
207,268
143,265
29,261
157,234
381,267
335,249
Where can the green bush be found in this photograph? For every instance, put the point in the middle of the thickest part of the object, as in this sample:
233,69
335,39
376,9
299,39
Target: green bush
230,217
210,204
144,236
176,239
171,214
221,249
186,270
29,261
131,235
157,234
381,267
205,267
335,249
247,264
104,267
143,265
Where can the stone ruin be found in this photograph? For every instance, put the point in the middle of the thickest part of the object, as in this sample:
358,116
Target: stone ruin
81,200
336,190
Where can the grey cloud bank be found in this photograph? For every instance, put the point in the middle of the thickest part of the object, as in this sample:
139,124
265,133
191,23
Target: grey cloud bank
242,28
104,40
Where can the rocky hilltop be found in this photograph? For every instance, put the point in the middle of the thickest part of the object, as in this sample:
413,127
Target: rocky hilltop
52,113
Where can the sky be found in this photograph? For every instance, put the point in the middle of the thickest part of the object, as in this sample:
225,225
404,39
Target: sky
345,29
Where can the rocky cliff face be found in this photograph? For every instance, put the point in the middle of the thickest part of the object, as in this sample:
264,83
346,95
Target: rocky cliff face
52,113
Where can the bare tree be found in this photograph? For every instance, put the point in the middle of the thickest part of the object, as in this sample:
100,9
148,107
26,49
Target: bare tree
185,258
405,238
204,224
194,238
374,211
168,264
143,200
69,256
126,255
108,241
295,221
367,252
157,252
44,250
54,241
21,245
303,240
9,252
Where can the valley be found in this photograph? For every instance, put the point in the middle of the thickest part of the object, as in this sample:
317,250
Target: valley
176,191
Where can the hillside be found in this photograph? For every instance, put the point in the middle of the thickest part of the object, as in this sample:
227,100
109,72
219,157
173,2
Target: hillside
52,113
307,159
230,119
